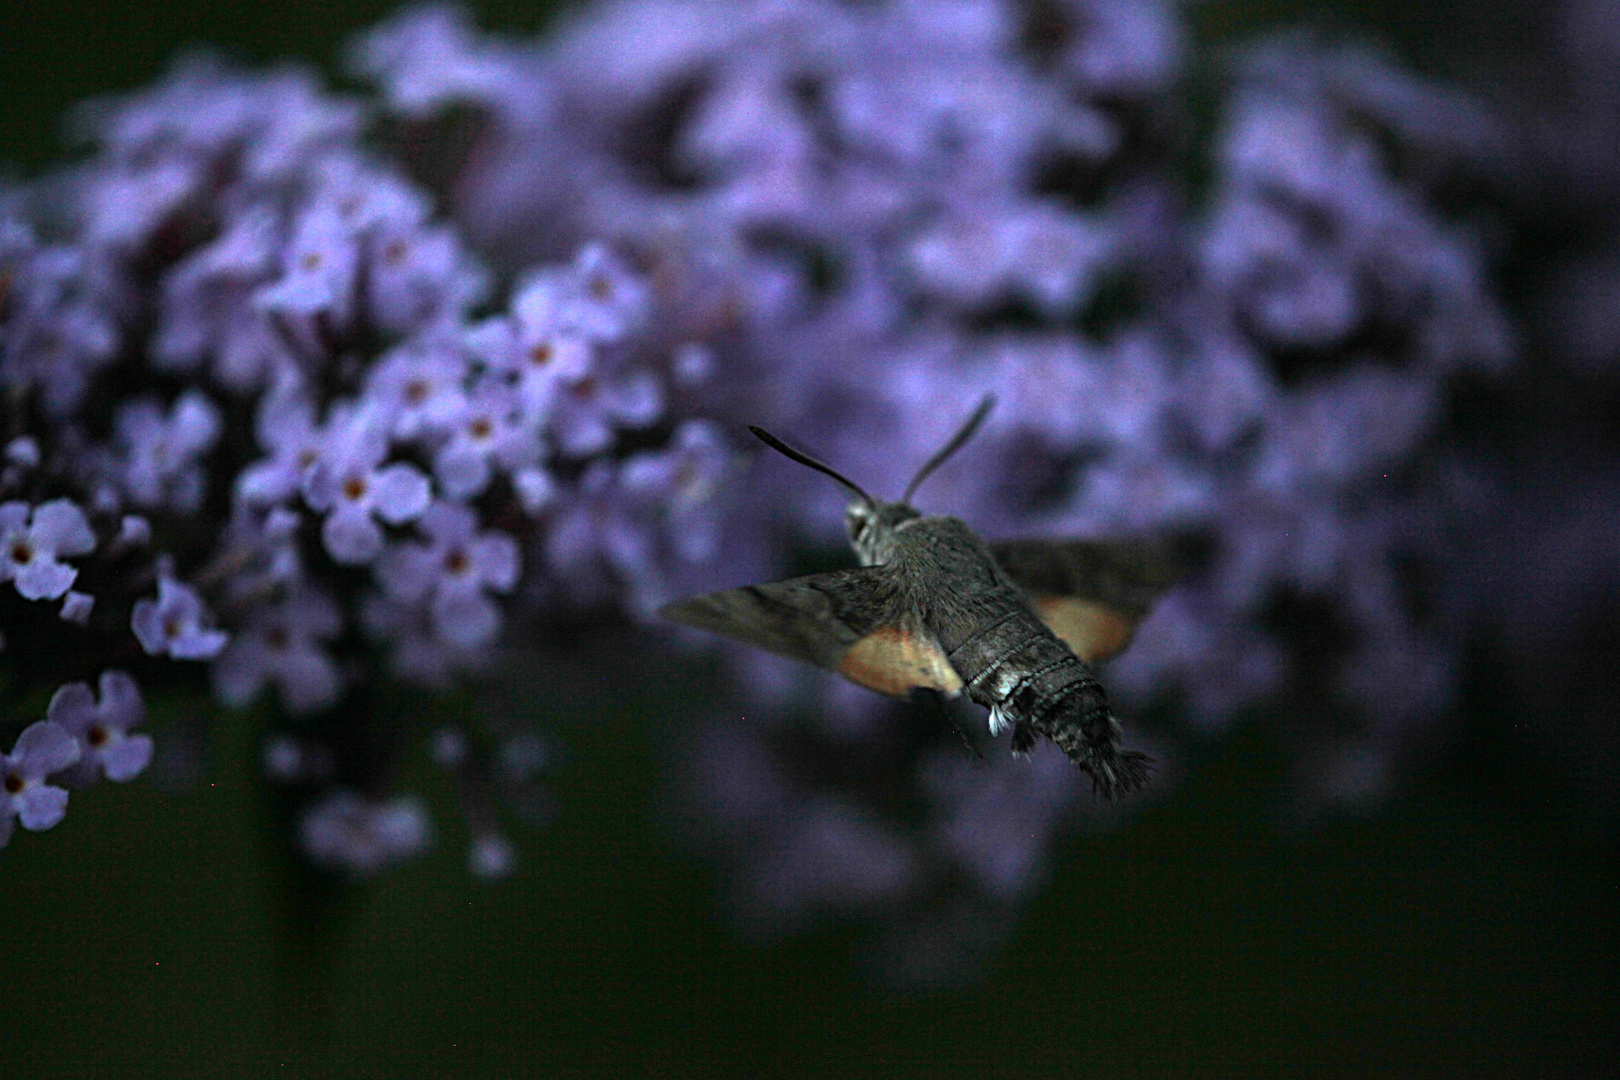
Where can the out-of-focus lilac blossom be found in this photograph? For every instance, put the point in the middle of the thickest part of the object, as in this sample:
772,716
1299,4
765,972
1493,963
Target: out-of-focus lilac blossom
43,748
23,452
491,857
597,541
492,430
453,573
286,429
134,531
291,760
868,216
33,540
102,728
1313,236
349,483
282,641
157,460
684,479
64,322
588,413
77,606
418,653
420,386
174,624
359,837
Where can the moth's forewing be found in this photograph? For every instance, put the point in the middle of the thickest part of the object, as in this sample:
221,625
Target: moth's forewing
1092,593
846,621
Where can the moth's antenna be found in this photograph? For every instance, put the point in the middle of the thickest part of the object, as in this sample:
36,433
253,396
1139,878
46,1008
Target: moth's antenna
805,459
951,447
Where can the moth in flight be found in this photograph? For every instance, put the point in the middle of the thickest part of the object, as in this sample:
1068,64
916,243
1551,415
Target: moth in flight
1014,625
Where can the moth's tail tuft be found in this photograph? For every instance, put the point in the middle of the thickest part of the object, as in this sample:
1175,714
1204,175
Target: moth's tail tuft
1115,772
1091,739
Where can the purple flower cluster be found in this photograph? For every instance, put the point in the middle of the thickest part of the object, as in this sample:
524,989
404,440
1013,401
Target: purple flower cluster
282,416
870,215
271,415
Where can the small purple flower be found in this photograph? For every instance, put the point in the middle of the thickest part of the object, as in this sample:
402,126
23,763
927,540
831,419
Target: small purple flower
453,573
684,479
173,624
280,642
23,452
417,275
76,607
534,360
491,857
351,486
319,268
32,543
285,427
418,653
598,298
419,386
206,307
159,454
102,729
587,413
42,749
359,837
493,430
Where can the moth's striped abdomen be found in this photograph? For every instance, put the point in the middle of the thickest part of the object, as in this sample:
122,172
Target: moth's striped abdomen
1031,680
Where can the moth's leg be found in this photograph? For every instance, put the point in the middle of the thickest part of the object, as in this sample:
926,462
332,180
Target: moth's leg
937,700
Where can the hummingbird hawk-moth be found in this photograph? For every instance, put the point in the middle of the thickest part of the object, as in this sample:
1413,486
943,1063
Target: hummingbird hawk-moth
1015,625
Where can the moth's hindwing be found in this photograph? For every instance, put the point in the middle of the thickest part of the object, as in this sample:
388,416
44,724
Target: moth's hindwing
1091,593
846,621
897,660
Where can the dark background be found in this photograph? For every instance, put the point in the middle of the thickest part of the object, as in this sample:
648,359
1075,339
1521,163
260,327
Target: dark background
1465,929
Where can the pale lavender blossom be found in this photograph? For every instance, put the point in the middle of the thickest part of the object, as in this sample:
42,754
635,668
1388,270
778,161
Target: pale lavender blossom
491,431
349,483
419,276
176,623
107,748
77,606
34,540
492,857
206,308
23,452
453,573
282,641
319,268
418,653
421,387
587,414
351,834
157,462
63,322
286,428
42,749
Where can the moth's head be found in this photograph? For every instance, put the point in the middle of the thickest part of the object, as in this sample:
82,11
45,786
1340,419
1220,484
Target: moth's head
872,523
872,526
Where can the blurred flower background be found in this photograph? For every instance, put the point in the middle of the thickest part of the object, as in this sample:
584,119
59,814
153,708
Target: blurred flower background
371,383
